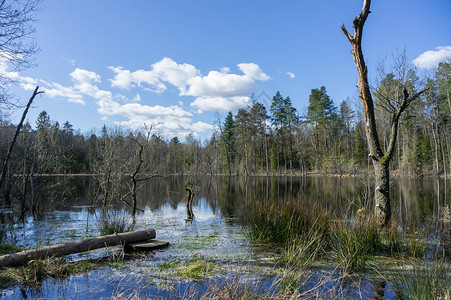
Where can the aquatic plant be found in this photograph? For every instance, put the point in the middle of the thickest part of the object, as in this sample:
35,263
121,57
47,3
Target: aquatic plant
115,223
425,280
355,242
300,233
8,248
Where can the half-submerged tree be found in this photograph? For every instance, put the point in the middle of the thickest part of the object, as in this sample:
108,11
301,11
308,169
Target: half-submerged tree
381,159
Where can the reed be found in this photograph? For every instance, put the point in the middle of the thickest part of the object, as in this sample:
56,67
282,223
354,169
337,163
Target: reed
425,280
354,243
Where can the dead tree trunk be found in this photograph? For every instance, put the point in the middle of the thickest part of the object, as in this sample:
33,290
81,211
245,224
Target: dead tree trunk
20,258
6,163
381,161
189,203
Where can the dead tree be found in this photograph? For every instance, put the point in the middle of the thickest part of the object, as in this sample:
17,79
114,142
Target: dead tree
189,203
381,160
7,160
135,177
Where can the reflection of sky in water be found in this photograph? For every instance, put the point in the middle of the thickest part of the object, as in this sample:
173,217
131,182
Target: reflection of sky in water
210,236
79,223
207,237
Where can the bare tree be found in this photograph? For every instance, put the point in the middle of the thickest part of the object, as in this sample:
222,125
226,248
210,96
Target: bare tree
7,160
135,168
381,160
17,46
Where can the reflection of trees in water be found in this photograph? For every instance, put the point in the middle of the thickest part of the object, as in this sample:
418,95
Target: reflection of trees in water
234,196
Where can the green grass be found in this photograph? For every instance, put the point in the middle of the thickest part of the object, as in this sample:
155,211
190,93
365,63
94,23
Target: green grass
196,269
8,249
303,235
355,243
425,280
114,224
168,265
198,241
36,271
289,226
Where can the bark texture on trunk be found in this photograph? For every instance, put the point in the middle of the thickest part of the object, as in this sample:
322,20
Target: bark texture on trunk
21,258
382,192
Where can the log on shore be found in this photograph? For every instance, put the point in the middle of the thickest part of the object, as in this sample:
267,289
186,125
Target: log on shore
21,258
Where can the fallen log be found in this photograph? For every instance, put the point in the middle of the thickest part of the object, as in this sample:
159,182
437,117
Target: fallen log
21,258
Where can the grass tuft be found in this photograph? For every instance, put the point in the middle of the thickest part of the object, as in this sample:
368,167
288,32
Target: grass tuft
115,224
425,280
8,249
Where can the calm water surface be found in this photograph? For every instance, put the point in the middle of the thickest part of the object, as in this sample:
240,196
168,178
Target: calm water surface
216,235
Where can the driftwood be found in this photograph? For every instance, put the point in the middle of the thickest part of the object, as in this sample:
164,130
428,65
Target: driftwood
21,258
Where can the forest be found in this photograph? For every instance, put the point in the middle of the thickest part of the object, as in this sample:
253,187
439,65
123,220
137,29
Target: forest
257,140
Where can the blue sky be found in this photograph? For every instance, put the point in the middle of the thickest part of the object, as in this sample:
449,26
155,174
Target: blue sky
179,64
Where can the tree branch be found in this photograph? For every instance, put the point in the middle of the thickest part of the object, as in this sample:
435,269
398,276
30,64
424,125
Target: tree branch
13,142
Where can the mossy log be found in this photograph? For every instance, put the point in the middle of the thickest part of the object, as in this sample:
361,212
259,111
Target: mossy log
21,258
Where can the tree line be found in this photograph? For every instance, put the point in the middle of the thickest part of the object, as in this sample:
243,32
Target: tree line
256,140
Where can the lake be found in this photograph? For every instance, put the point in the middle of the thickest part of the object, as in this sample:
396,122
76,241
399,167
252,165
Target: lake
217,234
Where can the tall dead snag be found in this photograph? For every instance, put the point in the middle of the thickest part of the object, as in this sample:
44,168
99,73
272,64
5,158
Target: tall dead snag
7,160
381,160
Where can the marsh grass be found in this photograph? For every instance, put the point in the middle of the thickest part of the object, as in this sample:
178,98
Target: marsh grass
36,271
8,249
304,234
424,280
355,243
300,233
115,222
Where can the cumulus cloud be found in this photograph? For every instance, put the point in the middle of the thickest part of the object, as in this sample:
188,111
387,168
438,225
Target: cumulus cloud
220,104
253,71
171,120
219,84
291,75
218,91
174,73
233,90
430,59
165,70
125,79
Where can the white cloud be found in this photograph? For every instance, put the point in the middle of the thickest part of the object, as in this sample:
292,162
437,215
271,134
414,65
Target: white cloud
218,91
77,100
176,74
291,75
232,90
431,59
137,98
220,104
165,70
218,84
172,120
82,76
125,79
253,71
